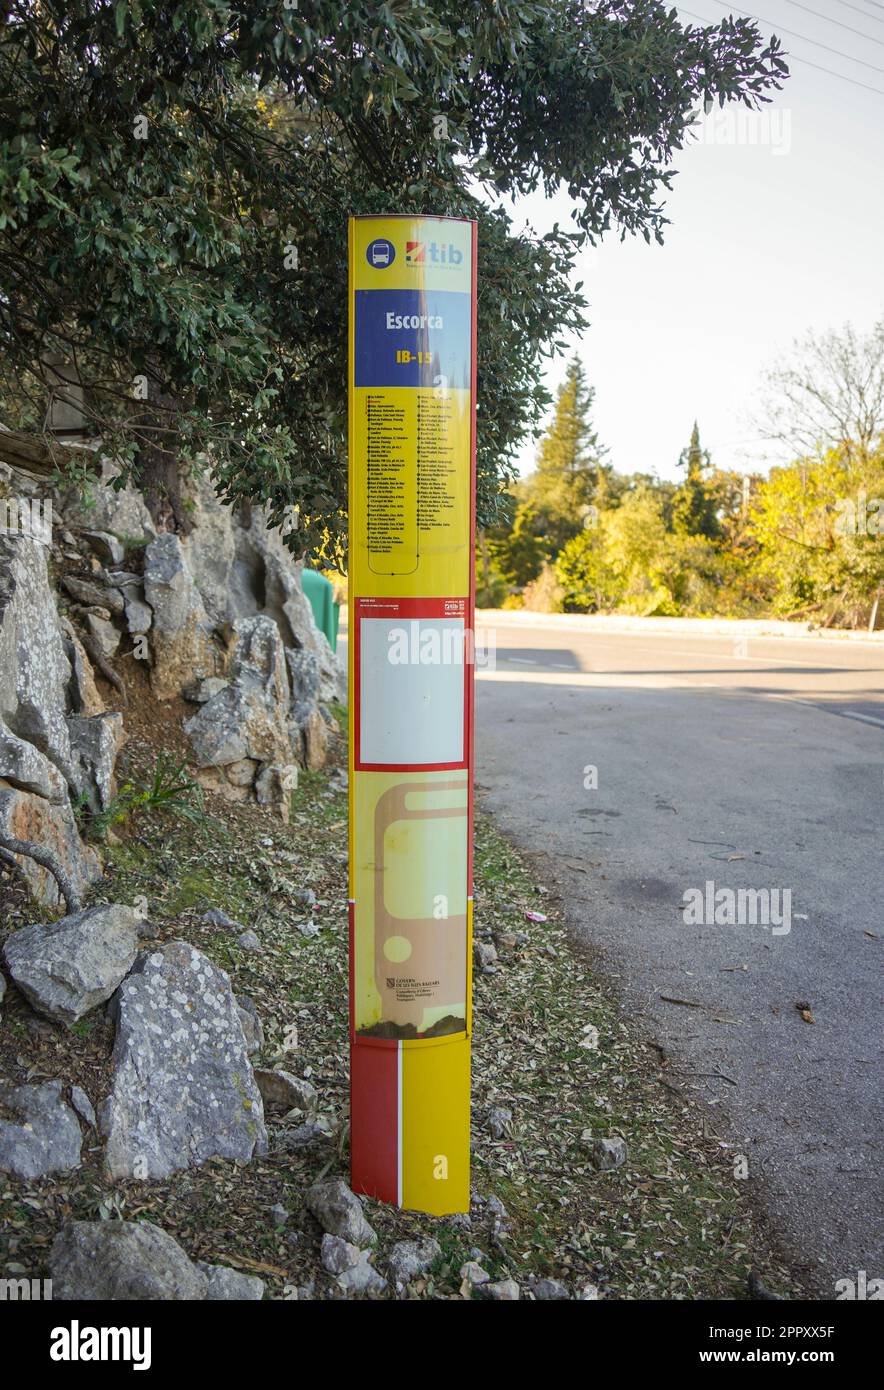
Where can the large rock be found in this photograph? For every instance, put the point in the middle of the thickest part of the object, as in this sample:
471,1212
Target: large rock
93,595
351,1266
283,1091
241,572
101,1261
230,1285
41,1134
210,550
183,1089
608,1153
95,743
69,967
104,635
266,578
82,692
244,569
249,718
409,1259
24,816
181,642
309,686
120,511
25,767
106,546
339,1212
34,670
139,615
250,1021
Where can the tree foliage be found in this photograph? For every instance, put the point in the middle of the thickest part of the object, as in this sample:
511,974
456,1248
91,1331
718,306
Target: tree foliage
175,180
819,530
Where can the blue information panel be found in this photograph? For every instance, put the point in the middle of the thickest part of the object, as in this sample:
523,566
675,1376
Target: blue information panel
412,337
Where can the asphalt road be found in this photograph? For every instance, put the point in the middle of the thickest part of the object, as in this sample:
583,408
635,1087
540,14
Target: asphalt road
756,765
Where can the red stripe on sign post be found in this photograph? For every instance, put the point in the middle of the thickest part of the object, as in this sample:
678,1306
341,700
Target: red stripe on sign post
374,1119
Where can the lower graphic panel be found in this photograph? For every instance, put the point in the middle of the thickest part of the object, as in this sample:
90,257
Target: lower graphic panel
410,930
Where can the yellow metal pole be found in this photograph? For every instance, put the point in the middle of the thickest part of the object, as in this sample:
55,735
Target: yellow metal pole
412,377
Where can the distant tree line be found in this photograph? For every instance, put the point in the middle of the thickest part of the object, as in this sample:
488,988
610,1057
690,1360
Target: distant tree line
805,541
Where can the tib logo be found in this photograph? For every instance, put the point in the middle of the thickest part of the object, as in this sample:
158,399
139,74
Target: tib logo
419,252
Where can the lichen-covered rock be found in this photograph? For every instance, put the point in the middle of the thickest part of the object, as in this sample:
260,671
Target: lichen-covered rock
500,1119
24,816
203,690
305,677
484,954
472,1276
139,615
41,1134
274,786
241,774
550,1291
314,741
183,1088
95,743
243,569
181,642
68,967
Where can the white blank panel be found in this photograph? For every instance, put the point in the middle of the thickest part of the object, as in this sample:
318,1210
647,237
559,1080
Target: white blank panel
411,711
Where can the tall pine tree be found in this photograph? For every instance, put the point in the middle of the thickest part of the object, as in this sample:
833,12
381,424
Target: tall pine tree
695,505
569,465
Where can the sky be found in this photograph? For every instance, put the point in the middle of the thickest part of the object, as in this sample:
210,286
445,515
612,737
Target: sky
777,229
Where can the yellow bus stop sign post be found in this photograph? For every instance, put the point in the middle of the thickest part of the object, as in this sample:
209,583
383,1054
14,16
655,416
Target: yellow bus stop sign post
412,392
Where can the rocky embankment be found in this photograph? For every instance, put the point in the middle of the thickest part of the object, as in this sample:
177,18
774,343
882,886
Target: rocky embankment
218,619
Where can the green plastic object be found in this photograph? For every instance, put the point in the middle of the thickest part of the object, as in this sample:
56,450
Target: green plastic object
321,595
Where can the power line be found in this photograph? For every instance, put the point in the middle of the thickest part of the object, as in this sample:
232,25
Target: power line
847,27
794,56
778,29
852,80
848,6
